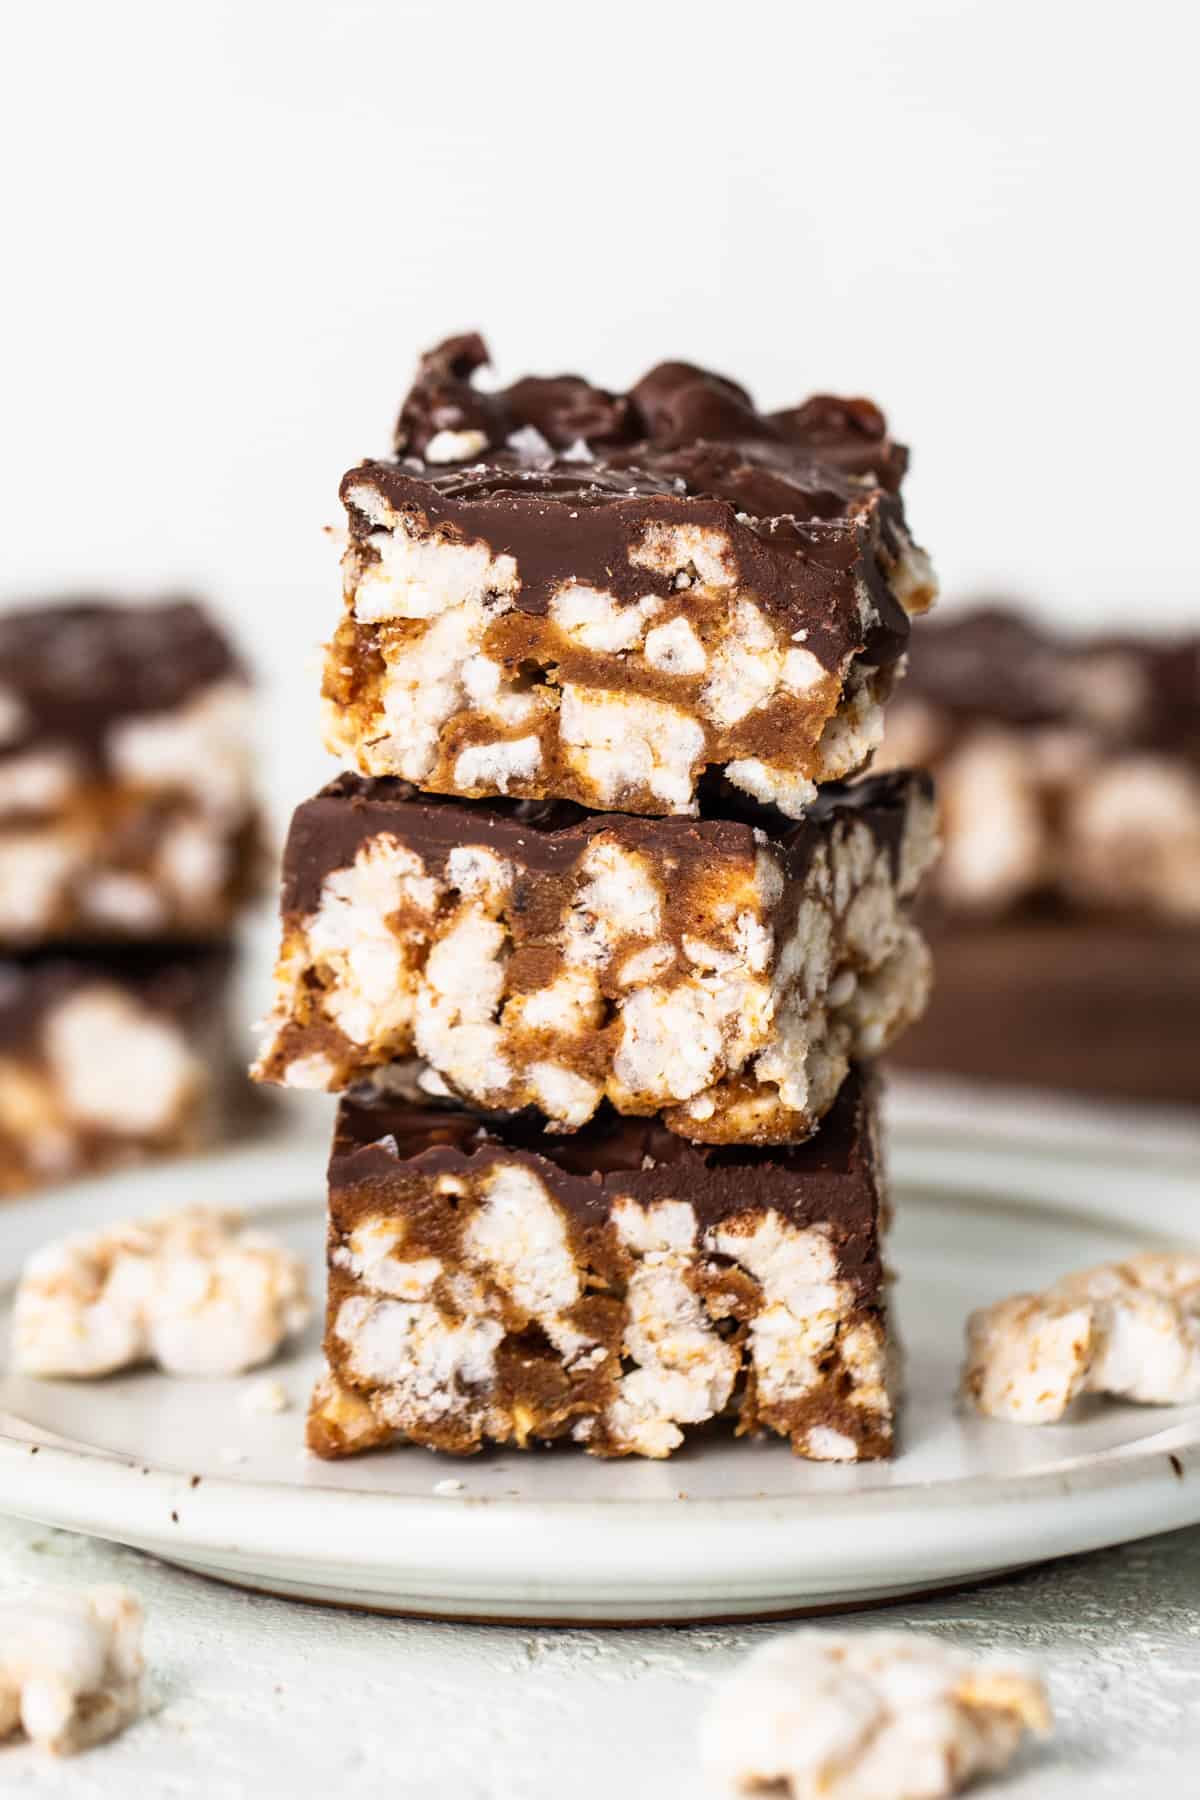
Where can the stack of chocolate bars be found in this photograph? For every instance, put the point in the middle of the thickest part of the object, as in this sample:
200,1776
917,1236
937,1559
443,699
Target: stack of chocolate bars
129,840
1066,907
595,942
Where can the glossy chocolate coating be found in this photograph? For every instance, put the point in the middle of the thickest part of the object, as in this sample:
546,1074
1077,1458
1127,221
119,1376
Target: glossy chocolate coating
808,496
328,830
834,1177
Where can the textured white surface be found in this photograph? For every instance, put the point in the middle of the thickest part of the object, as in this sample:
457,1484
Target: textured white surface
254,1696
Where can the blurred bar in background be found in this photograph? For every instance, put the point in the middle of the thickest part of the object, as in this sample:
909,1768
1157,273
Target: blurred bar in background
1065,912
130,842
108,1058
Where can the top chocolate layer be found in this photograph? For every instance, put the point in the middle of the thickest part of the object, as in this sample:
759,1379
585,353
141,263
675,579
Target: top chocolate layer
69,669
674,405
328,831
834,1176
992,663
565,478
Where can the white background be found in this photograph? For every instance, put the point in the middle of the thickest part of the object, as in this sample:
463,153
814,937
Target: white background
235,224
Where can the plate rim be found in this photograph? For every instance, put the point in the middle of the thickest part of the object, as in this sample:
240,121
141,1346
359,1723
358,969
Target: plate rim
461,1548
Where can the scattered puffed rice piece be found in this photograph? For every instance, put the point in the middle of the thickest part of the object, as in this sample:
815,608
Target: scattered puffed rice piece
868,1715
449,1487
1129,1329
266,1396
192,1291
70,1665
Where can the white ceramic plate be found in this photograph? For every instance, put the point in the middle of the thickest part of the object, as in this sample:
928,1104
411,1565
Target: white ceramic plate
972,1113
723,1529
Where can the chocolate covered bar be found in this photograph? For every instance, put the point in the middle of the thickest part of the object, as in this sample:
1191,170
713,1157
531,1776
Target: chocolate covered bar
1068,770
556,591
104,1059
723,971
1064,914
126,801
488,1284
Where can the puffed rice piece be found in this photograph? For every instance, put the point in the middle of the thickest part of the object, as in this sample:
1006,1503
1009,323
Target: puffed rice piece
265,1397
70,1665
191,1291
1128,1329
868,1715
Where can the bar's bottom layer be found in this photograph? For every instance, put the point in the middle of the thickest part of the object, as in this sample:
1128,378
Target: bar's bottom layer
1099,1007
109,1058
613,1288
